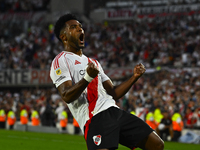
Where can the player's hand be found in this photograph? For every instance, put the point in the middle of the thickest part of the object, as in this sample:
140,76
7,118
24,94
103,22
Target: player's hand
92,70
139,70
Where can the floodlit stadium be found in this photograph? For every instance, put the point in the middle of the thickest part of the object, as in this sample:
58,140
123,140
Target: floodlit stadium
163,35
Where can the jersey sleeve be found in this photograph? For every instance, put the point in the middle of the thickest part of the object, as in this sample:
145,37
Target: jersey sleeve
59,72
104,77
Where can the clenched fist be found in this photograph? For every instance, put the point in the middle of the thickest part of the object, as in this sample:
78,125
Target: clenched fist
139,70
92,70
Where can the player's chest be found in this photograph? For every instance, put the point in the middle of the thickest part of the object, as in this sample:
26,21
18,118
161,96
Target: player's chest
78,66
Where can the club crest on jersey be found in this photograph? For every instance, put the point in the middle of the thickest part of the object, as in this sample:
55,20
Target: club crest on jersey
97,139
58,71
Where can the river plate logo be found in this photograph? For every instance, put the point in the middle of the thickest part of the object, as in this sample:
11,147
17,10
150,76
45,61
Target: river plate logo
58,71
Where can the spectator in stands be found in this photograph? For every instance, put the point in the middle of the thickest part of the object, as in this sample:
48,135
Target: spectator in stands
188,118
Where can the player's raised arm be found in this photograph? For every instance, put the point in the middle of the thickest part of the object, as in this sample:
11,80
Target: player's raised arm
118,91
70,92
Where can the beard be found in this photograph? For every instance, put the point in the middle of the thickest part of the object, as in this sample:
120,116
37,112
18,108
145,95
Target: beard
79,45
76,44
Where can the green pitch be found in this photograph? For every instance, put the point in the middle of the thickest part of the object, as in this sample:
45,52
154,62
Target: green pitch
18,140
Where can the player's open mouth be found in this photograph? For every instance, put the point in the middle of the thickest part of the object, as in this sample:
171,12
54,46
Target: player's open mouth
81,38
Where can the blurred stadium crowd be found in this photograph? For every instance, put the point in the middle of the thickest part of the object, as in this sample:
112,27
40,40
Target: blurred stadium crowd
166,91
172,42
23,5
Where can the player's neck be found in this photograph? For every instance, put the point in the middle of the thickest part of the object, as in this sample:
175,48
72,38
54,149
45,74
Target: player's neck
73,50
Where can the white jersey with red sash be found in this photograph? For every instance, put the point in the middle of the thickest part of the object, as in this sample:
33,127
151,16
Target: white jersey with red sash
94,99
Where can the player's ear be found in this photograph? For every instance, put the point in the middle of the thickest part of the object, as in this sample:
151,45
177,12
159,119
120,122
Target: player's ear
63,37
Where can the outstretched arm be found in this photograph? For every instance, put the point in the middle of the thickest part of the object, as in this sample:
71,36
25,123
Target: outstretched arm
118,91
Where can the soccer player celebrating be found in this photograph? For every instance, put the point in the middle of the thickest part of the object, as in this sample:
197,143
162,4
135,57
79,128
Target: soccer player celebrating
90,95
